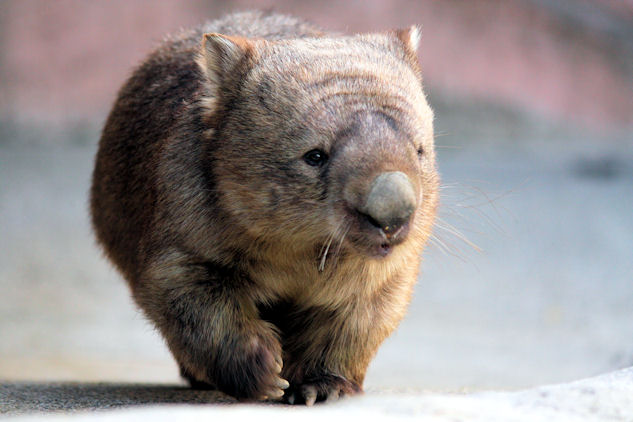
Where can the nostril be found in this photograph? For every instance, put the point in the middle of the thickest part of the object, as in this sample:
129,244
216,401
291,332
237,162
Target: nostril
391,227
371,220
394,227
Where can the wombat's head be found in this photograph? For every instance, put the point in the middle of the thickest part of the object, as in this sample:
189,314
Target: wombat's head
324,141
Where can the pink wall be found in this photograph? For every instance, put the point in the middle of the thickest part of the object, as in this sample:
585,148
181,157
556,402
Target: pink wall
62,61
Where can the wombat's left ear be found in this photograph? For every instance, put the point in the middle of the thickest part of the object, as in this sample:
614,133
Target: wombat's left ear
410,37
220,56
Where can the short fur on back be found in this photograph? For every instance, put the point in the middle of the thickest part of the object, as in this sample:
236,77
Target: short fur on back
254,262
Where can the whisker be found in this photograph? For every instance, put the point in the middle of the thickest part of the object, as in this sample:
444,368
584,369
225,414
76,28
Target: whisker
444,225
326,247
324,257
468,207
444,248
337,251
440,134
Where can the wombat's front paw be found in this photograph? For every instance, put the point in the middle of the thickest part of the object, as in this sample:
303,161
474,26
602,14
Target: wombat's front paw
245,367
324,387
252,370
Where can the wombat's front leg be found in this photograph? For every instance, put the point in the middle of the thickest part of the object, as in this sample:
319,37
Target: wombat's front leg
212,327
328,351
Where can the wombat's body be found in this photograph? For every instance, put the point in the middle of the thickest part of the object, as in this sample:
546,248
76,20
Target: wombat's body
267,194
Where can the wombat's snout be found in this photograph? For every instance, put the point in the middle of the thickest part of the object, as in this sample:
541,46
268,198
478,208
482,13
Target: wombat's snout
390,202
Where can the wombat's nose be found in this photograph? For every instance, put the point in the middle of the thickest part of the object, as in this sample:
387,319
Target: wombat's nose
390,202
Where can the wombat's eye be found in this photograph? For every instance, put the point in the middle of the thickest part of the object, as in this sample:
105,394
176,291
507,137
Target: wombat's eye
420,152
316,157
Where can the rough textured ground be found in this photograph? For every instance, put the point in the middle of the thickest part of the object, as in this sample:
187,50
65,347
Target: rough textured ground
547,300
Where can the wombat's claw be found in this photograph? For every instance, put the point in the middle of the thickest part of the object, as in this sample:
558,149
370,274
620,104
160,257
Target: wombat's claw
276,392
309,393
328,388
282,383
333,394
280,363
290,398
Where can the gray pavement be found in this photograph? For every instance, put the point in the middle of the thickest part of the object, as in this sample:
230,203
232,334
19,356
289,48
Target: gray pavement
546,300
604,398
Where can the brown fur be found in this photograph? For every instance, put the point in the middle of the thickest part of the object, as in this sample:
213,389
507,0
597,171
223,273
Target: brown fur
247,259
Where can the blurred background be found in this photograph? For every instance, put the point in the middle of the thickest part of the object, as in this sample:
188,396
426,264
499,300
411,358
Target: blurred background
529,278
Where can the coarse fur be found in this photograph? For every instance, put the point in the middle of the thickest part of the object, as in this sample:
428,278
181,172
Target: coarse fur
256,266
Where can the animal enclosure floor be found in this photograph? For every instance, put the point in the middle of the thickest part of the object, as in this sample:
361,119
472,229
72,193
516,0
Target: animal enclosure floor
597,399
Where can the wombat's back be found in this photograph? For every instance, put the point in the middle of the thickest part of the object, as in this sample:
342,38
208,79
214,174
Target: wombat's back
159,101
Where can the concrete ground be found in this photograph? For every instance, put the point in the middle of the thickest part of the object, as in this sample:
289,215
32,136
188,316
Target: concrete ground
546,300
604,398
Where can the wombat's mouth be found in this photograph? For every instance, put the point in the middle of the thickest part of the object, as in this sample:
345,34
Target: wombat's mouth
371,240
377,250
384,249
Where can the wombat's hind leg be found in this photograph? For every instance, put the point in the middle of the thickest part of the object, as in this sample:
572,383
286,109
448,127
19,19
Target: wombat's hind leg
323,388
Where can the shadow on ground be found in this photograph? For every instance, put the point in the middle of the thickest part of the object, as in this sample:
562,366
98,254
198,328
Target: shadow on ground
18,398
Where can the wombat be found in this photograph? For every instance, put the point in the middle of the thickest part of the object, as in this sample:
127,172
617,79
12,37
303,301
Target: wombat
266,189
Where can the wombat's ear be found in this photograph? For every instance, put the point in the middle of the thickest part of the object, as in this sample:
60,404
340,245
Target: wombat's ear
221,54
409,40
410,37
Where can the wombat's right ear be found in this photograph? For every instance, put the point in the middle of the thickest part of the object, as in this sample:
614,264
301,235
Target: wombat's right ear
410,38
221,54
